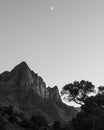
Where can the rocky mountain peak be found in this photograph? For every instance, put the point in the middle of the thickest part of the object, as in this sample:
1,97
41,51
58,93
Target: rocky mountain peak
21,75
5,76
54,93
24,78
21,68
29,93
23,64
15,73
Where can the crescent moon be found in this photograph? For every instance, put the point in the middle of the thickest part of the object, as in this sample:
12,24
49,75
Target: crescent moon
52,8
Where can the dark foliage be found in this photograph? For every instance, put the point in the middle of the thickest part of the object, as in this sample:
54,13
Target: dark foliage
39,121
9,116
78,91
91,116
56,125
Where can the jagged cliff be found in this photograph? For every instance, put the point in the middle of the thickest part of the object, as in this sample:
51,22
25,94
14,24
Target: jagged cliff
28,92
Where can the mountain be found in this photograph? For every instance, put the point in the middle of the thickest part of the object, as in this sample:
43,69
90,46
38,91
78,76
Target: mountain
24,89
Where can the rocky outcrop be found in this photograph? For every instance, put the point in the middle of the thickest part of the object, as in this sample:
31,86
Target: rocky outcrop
54,94
28,92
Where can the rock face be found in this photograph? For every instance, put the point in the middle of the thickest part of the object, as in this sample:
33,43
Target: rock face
27,91
54,94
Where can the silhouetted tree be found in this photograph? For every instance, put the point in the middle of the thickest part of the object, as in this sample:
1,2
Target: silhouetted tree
38,122
78,91
101,90
8,109
26,124
56,125
91,116
66,126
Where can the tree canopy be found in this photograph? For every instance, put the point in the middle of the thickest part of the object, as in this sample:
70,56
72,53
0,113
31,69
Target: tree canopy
78,91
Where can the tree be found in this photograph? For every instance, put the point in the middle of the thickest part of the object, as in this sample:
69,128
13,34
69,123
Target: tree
91,116
101,90
78,91
56,125
38,121
94,104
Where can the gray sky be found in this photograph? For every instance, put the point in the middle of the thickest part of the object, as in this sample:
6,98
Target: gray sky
61,45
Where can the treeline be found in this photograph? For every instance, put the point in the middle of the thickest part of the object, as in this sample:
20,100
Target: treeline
11,119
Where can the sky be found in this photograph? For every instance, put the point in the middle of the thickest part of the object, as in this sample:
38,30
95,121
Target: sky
61,40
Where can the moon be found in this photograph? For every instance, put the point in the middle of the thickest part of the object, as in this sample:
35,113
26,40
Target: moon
52,8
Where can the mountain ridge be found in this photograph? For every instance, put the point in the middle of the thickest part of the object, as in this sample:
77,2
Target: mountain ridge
28,92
